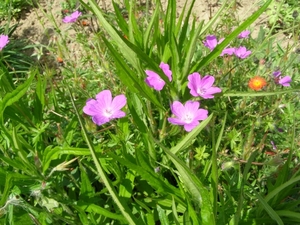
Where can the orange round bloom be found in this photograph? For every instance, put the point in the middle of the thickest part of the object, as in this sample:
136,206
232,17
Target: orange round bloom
257,83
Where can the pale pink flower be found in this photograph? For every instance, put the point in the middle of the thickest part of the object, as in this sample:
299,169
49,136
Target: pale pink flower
105,108
284,81
153,80
242,52
228,51
244,34
3,41
72,18
211,42
187,115
202,87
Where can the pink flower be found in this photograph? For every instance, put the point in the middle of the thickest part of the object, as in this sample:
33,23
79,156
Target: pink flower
153,80
72,18
244,34
3,41
228,51
211,42
104,108
242,52
187,115
202,87
284,81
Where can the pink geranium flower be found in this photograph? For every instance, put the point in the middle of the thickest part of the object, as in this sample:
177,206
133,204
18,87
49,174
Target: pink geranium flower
3,41
244,34
202,87
228,51
153,80
211,42
284,81
104,108
242,52
72,18
187,115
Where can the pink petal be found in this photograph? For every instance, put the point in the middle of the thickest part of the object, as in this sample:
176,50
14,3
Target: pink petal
189,127
118,114
104,99
285,81
213,90
201,114
91,107
100,119
118,102
175,121
177,109
191,106
207,81
194,83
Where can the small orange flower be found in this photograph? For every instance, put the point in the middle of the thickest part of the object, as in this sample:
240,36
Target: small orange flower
257,83
59,60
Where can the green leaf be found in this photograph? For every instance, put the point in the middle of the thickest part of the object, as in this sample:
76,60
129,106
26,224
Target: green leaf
190,137
15,95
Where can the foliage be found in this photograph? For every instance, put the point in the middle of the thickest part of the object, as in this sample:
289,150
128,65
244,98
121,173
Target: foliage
239,166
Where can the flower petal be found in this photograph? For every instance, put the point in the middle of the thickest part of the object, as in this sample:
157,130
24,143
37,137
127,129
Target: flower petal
100,119
91,107
118,114
285,81
189,127
194,83
175,121
191,107
201,114
118,102
104,99
207,81
177,109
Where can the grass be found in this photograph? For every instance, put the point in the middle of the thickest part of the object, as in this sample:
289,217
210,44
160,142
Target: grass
238,166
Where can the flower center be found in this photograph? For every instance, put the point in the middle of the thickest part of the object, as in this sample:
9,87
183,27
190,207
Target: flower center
188,118
201,91
108,112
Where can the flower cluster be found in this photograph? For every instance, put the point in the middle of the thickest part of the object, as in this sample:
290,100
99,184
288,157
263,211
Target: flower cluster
3,41
189,114
105,108
241,52
72,18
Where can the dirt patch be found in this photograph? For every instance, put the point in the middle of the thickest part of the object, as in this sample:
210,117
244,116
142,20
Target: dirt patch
41,25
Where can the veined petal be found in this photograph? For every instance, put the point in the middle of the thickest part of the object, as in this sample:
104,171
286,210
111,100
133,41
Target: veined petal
207,81
104,99
213,90
100,119
194,83
177,109
176,121
201,114
189,127
191,107
118,102
91,107
118,114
